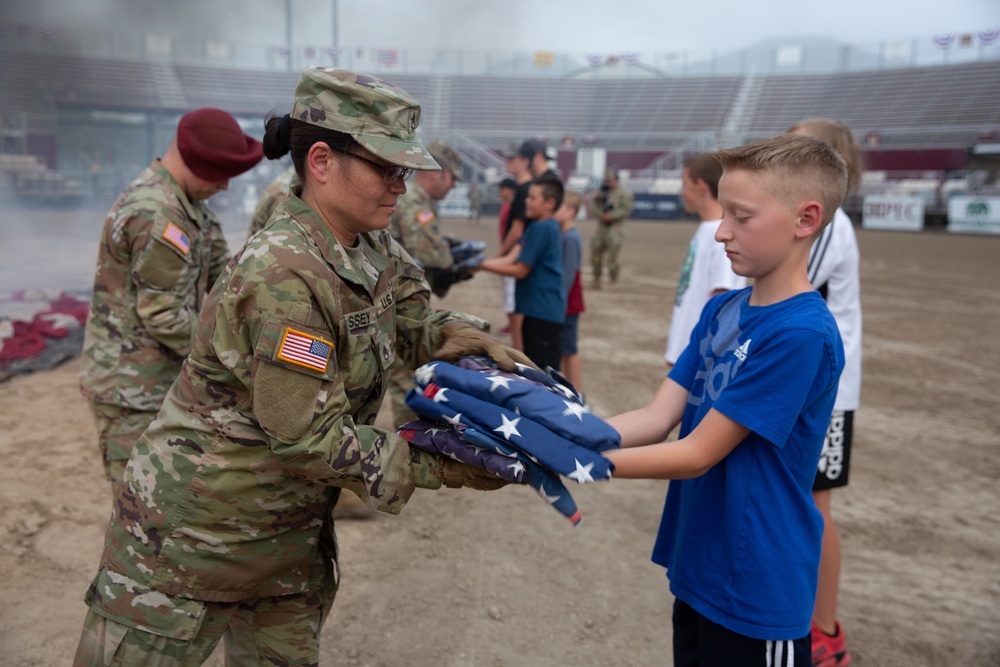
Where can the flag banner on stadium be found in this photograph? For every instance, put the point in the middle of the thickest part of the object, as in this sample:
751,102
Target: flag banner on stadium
987,37
536,418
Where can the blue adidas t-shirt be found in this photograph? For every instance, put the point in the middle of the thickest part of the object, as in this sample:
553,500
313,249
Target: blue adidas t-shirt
741,543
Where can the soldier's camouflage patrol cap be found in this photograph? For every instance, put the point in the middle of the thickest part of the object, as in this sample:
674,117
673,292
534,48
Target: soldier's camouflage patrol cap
380,117
447,157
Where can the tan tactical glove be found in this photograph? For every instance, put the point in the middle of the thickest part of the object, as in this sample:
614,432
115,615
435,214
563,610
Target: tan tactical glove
433,472
461,340
455,474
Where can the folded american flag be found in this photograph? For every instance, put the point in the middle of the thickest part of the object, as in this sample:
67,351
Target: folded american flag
528,415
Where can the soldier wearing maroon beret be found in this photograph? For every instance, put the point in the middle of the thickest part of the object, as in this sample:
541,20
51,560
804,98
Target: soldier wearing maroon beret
161,250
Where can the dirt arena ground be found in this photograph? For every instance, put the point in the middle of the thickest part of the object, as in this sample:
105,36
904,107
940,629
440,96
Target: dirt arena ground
499,579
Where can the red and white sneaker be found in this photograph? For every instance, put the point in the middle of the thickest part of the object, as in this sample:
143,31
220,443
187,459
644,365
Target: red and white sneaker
829,651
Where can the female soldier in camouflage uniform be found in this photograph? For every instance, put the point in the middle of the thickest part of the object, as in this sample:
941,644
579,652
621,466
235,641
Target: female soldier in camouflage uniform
222,528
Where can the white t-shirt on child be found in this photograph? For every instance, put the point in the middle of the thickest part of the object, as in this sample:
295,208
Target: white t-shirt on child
706,269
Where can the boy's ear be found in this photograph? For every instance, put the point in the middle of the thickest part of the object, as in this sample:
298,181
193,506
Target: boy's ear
810,219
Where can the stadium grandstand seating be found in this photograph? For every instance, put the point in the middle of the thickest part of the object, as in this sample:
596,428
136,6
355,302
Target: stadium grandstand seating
639,121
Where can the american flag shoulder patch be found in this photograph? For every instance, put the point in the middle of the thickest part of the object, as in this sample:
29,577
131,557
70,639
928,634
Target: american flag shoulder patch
302,349
425,216
177,238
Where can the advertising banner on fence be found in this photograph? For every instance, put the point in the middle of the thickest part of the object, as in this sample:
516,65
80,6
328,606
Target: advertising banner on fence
894,213
974,215
657,207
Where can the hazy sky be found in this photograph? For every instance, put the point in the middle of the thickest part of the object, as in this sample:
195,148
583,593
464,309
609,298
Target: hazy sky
525,25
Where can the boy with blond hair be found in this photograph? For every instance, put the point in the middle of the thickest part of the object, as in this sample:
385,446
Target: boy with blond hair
753,393
572,250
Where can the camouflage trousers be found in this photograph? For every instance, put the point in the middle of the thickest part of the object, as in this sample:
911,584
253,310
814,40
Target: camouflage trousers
118,429
400,383
606,245
166,631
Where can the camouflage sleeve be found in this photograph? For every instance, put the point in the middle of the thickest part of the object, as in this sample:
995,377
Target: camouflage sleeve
422,240
308,410
622,205
165,279
418,326
265,207
220,252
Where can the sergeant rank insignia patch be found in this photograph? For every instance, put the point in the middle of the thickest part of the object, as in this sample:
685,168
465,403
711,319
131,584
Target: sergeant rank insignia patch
304,350
177,238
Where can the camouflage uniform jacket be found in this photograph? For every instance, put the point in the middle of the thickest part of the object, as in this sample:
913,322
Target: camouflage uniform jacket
617,201
227,495
159,255
275,193
415,226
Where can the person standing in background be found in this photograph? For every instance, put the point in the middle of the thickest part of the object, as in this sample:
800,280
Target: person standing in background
161,251
414,225
275,193
611,205
706,270
834,271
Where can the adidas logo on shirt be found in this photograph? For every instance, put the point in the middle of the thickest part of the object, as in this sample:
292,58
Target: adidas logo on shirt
742,351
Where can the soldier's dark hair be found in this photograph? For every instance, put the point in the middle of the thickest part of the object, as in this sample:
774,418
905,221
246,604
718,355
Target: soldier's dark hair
552,188
284,134
705,167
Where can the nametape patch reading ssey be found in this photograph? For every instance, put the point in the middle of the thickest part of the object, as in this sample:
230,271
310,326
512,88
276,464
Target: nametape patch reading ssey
300,348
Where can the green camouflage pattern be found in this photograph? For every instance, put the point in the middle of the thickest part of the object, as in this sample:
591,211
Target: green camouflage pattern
414,225
447,157
117,430
129,623
606,244
227,495
380,117
275,193
617,201
605,248
147,292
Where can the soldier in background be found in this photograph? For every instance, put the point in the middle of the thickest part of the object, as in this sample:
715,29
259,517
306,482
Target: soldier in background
415,226
275,193
221,531
611,205
161,250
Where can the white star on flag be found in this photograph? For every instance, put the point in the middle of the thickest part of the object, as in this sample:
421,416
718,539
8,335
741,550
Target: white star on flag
582,472
508,427
456,420
439,397
551,500
566,391
424,374
498,381
518,468
575,409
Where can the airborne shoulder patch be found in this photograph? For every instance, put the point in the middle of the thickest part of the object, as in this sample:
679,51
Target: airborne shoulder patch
177,238
425,216
302,349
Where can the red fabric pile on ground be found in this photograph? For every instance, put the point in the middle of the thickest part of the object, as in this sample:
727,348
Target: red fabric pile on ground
22,338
